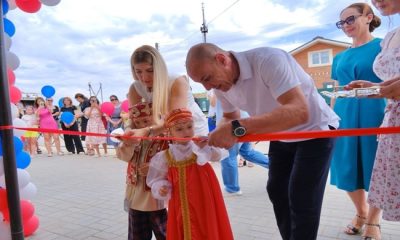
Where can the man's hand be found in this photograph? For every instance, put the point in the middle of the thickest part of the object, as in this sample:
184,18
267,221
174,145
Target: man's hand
202,142
222,136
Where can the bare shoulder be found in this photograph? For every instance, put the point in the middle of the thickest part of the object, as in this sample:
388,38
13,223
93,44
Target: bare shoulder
180,83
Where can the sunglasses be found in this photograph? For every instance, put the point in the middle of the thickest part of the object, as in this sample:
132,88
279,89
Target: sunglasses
350,21
113,99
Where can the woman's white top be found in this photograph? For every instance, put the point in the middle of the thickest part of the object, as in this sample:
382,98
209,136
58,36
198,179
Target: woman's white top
200,120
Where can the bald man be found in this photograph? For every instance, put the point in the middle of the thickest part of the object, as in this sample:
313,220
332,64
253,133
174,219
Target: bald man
279,96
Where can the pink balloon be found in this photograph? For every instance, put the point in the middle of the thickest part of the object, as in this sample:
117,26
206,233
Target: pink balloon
15,94
11,76
29,6
30,226
107,108
125,106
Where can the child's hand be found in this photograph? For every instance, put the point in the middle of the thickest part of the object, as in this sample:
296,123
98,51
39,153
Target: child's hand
202,142
143,169
163,191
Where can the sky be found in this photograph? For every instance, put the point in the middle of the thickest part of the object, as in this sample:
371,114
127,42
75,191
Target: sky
82,42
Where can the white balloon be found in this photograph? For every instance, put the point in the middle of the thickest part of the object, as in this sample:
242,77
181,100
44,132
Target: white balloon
7,41
12,60
50,2
14,111
11,4
5,230
1,166
28,192
118,131
17,122
24,178
2,181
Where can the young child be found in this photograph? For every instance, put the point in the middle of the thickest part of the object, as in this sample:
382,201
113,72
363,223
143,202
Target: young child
30,137
146,214
182,174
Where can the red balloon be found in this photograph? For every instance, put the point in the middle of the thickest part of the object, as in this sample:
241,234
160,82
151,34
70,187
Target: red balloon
107,108
29,6
11,76
15,94
30,226
27,211
3,200
125,106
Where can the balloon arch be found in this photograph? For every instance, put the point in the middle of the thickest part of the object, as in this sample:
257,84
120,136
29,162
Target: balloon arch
27,190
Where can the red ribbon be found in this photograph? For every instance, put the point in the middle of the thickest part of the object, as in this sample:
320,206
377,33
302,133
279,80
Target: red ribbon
248,138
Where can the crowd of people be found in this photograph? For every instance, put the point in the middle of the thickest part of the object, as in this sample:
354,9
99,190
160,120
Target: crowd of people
87,117
280,97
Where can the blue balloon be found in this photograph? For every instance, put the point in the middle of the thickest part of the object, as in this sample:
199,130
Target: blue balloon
5,6
23,160
9,27
67,117
18,145
61,102
48,91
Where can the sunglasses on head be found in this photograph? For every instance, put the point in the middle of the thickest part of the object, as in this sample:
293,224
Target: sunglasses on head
350,21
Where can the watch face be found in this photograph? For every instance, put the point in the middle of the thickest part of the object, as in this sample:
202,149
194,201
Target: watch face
240,131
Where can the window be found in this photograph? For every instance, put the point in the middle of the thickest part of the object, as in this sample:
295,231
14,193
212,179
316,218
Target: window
320,58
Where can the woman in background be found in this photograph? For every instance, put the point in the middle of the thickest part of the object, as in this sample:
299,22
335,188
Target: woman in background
46,121
72,142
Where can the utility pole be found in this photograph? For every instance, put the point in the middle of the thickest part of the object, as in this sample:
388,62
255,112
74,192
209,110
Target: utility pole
204,28
93,93
156,45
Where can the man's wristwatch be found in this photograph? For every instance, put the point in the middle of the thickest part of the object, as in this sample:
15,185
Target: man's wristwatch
237,129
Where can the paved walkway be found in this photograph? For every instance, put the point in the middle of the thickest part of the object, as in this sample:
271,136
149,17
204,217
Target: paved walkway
81,197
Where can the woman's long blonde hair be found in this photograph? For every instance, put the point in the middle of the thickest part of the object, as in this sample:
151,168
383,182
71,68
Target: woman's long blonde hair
160,90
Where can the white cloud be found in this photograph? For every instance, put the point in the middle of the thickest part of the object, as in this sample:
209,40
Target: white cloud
82,41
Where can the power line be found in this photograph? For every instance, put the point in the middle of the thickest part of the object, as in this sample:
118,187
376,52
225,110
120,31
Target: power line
195,32
226,9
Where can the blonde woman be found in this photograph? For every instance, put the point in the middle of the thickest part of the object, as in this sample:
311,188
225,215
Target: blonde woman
165,91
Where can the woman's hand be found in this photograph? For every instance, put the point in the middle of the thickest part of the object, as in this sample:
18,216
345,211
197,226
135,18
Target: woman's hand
142,132
359,84
143,169
390,89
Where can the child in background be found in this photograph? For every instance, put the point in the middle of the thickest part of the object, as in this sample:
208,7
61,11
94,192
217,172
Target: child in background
30,137
146,214
182,174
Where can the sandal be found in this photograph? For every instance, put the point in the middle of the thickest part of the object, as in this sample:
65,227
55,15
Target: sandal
353,230
241,162
372,237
